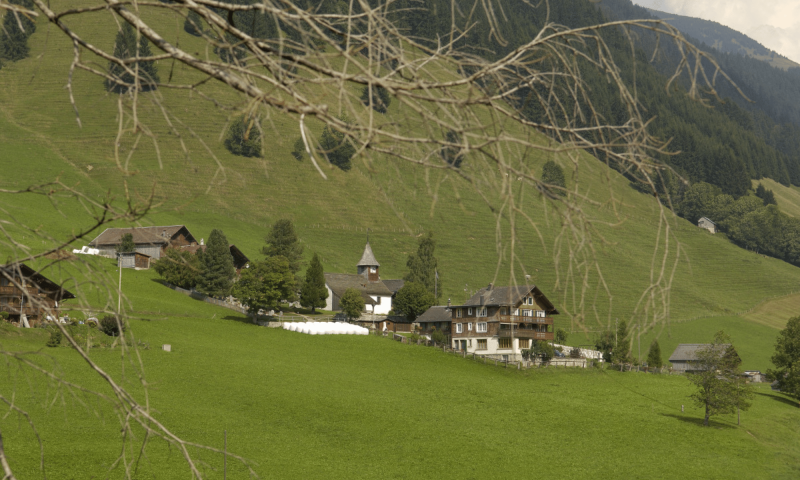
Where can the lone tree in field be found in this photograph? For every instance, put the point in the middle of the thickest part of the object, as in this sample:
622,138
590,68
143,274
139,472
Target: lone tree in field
282,240
126,46
244,137
654,355
218,269
380,98
180,268
423,266
126,244
13,40
413,300
622,349
299,149
787,359
352,304
336,148
553,175
313,293
265,284
720,386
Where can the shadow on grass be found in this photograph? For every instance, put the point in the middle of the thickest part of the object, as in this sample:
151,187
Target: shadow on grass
239,318
698,421
780,398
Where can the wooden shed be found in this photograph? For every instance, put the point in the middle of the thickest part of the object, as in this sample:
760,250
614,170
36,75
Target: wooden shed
136,260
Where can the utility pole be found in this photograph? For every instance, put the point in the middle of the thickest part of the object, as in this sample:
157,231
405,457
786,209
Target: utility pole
616,329
119,291
639,341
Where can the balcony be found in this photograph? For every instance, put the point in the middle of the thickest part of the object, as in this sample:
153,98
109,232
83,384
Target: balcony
15,310
521,319
532,334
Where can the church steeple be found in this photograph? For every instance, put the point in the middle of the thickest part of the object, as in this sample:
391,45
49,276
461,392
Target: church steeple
368,265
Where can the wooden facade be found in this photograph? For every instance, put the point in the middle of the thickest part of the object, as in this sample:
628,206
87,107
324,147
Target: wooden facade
150,241
24,291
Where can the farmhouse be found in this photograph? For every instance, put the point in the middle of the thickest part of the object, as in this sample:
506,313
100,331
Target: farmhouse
707,224
684,358
502,321
28,296
377,294
436,318
150,241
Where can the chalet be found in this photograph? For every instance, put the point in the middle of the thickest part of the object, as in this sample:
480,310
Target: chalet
707,224
150,241
502,321
377,294
684,358
240,261
436,318
28,296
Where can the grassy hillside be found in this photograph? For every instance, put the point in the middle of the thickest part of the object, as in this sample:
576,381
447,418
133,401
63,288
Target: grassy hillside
300,406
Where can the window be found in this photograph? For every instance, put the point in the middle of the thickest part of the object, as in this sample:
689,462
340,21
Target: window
505,326
458,313
459,328
481,327
378,301
3,282
482,344
469,342
530,300
469,327
503,310
469,311
373,270
527,313
505,343
481,312
541,313
516,312
524,343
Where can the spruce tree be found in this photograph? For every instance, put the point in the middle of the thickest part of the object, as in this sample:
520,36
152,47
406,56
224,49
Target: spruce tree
622,350
13,39
244,137
282,240
423,266
299,149
218,269
452,154
314,293
380,98
654,355
125,46
336,148
553,174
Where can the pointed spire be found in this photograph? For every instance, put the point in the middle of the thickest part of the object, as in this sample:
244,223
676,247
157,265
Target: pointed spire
368,258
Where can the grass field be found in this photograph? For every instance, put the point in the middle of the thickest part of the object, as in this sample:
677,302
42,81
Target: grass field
299,406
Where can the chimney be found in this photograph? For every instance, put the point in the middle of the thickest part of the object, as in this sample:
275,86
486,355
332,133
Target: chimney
448,302
489,287
483,299
202,242
164,233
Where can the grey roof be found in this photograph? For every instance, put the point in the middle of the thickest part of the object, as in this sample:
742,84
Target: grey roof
687,352
394,285
14,271
368,258
141,235
435,314
706,218
508,296
339,282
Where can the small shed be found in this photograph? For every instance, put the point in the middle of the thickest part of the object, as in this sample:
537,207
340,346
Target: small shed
136,260
706,223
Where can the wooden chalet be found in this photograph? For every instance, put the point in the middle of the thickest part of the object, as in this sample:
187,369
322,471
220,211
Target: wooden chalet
26,292
436,318
502,321
150,241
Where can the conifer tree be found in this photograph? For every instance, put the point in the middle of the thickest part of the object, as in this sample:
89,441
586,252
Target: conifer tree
13,39
193,25
336,148
452,154
423,266
380,98
218,269
654,355
622,350
553,174
282,240
126,46
244,137
299,149
314,293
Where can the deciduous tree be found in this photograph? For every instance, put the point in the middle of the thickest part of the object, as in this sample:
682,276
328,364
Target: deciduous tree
180,268
622,347
244,137
218,269
787,359
313,293
265,284
352,303
720,386
413,300
126,244
561,336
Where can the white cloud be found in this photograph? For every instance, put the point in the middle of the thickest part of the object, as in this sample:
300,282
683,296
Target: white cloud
774,23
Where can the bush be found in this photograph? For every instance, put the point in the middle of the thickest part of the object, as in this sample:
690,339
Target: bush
110,326
575,352
244,137
55,337
4,315
439,337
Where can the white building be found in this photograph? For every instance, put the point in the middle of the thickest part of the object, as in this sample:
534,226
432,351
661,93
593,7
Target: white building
377,294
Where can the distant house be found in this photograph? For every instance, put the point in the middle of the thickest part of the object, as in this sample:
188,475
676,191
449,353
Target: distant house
240,260
390,323
684,358
502,321
376,293
435,318
136,260
706,223
150,241
28,296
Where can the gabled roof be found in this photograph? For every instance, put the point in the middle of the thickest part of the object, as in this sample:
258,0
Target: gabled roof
368,258
687,352
339,282
15,270
705,218
141,235
435,314
239,258
394,285
508,296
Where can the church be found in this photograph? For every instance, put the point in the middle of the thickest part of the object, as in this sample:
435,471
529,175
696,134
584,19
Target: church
377,293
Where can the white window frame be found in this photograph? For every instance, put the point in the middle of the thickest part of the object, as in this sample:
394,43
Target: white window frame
459,328
485,344
482,327
541,314
469,311
469,327
458,313
481,312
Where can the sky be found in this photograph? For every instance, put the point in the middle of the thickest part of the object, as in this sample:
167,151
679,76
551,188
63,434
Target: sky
773,23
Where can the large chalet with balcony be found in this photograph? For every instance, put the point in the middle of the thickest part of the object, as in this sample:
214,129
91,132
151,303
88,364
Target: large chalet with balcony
28,296
150,241
502,321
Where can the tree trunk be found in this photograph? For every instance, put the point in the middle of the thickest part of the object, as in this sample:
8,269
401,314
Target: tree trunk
706,422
